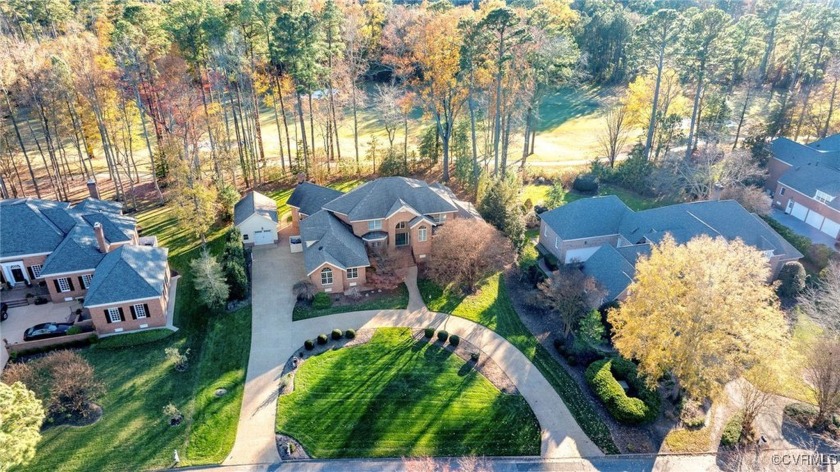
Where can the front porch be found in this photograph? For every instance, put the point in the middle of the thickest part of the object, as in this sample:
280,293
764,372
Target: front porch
22,295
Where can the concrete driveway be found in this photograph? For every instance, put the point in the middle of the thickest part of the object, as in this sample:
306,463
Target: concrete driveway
803,229
23,317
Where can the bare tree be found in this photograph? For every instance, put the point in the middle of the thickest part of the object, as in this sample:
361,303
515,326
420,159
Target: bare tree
711,168
474,464
388,109
822,301
614,136
822,371
754,199
570,294
464,251
755,397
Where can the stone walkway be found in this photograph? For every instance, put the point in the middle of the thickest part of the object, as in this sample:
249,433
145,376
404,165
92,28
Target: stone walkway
275,338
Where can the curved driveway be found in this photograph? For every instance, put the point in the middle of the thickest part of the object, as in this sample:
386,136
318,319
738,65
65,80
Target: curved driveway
275,338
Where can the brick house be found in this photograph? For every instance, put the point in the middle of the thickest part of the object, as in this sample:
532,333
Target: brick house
805,181
70,252
393,214
607,238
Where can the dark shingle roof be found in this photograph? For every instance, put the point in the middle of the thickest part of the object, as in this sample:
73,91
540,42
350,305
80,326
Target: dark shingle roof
128,273
78,251
254,202
814,167
99,206
331,242
309,198
611,269
375,199
587,217
25,230
117,228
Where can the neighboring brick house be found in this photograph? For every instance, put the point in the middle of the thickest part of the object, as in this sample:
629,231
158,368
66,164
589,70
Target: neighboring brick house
395,214
67,248
805,181
607,237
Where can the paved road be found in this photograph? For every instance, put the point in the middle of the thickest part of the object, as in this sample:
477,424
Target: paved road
275,338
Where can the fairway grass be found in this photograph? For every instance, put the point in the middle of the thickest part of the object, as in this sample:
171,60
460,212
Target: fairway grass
400,396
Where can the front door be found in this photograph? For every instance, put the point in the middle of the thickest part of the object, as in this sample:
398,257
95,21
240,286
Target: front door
17,274
402,239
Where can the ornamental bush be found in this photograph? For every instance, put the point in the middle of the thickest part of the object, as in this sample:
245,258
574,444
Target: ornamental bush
321,301
454,340
792,279
309,345
626,409
429,332
350,334
442,336
732,430
336,334
586,183
322,339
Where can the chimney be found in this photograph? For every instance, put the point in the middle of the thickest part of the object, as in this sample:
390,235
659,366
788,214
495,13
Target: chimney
100,238
94,192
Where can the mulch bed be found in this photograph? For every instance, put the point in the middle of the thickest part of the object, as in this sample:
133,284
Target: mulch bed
74,421
298,453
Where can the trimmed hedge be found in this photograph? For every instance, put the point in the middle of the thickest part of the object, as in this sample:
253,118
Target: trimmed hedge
586,183
350,334
600,376
336,334
732,430
309,345
321,301
429,332
322,339
443,336
454,340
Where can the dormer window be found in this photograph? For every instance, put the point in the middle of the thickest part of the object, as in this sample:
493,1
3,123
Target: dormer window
823,197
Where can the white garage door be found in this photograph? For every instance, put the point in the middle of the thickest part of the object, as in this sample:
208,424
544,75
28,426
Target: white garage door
814,219
831,228
799,211
263,237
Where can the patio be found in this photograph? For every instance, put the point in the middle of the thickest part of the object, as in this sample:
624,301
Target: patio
804,229
23,317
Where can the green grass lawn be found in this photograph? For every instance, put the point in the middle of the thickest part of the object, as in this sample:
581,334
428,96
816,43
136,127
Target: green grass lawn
538,193
397,300
133,433
396,396
491,307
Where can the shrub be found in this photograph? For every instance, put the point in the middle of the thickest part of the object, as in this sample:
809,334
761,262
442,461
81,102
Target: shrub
321,301
551,261
442,336
623,408
322,339
236,279
309,345
454,340
691,414
304,290
820,255
732,431
802,413
173,413
792,278
336,334
350,334
586,183
74,330
429,332
181,361
474,356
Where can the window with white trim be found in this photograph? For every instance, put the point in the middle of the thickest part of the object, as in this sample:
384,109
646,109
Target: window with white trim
114,315
140,311
823,197
64,284
326,276
353,273
421,234
439,218
374,225
86,280
36,270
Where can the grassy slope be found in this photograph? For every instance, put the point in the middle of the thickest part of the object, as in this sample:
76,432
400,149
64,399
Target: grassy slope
133,433
397,396
491,307
538,194
395,301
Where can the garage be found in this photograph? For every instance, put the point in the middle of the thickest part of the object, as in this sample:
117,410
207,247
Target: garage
798,211
256,217
814,219
263,237
831,228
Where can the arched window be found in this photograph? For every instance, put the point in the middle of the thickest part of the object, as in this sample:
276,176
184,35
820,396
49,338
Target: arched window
401,225
326,276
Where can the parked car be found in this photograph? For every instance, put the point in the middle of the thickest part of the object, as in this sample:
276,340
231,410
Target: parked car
4,311
46,330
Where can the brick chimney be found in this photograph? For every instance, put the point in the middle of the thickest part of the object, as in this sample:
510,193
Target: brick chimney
100,238
94,192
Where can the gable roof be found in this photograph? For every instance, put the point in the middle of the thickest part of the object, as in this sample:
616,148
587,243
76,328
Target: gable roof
99,206
309,198
587,217
24,229
375,199
611,269
254,203
815,166
116,228
327,240
128,273
79,251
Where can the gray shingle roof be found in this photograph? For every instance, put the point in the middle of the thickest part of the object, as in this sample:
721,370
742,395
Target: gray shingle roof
612,271
25,230
587,217
128,273
99,206
117,228
334,243
814,167
309,198
78,251
376,198
254,202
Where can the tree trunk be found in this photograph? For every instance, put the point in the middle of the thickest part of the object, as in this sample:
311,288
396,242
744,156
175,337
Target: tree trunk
741,117
285,123
471,104
257,125
356,127
527,137
497,118
279,135
76,140
311,125
652,124
689,147
23,146
213,154
830,107
303,134
148,143
43,158
240,146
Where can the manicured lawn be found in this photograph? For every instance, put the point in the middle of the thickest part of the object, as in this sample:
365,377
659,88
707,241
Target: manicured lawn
133,433
491,307
397,300
396,396
538,193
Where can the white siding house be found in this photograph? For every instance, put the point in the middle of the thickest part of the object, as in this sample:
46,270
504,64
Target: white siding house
256,217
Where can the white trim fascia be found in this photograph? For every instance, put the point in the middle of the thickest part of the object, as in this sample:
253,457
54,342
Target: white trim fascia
322,265
16,258
62,274
581,239
123,302
258,216
406,207
423,218
809,198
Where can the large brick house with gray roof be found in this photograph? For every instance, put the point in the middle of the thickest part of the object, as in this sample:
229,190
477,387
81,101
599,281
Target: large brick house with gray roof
89,252
395,214
607,238
805,181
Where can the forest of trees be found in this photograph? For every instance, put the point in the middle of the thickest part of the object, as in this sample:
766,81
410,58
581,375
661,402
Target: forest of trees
170,98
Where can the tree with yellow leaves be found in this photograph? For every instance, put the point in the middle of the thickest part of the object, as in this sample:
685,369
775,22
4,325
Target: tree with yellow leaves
701,312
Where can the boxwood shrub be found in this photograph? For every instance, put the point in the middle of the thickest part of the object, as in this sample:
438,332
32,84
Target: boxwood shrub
443,336
350,334
321,301
732,430
429,332
454,340
309,345
601,377
322,339
336,334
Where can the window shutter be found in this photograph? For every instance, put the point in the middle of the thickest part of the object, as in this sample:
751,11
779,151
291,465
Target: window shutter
148,313
70,282
133,313
122,314
57,287
81,282
108,317
31,274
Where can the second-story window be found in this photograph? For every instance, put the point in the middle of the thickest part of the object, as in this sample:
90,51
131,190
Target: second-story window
374,225
421,234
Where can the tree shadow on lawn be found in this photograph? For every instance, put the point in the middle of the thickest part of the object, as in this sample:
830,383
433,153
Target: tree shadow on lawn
567,104
801,437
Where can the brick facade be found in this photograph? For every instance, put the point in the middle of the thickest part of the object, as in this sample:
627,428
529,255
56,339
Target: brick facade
557,246
155,316
77,288
28,262
340,281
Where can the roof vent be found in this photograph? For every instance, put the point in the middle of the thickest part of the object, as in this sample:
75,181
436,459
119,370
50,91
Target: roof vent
320,248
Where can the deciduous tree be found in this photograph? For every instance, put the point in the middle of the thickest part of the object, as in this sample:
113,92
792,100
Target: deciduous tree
210,281
465,251
21,416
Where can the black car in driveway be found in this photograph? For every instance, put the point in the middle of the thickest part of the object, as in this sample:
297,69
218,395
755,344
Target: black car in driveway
46,330
4,311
